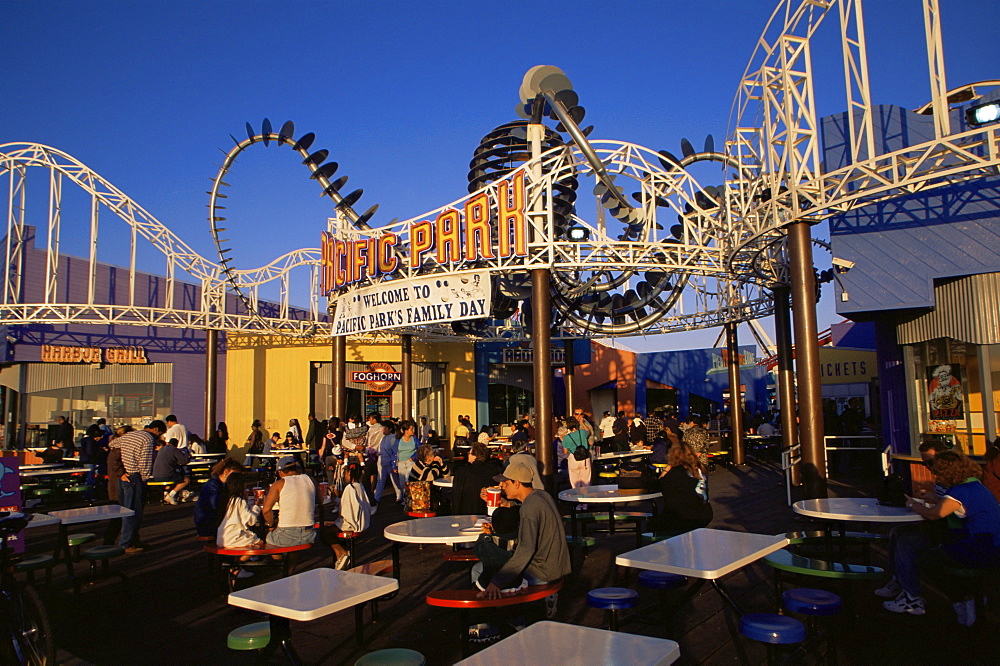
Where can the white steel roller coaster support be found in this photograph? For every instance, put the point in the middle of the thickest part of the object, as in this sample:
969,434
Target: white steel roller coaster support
935,65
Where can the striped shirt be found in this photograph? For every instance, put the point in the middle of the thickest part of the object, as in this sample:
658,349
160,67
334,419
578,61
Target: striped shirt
137,452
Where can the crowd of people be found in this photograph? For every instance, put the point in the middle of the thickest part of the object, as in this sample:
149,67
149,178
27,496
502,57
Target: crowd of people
526,544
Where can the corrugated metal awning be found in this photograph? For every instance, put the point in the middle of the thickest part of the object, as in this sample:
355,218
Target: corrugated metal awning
965,309
48,376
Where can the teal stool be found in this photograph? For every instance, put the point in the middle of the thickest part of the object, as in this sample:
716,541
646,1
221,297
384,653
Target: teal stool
76,540
104,555
249,636
33,563
392,657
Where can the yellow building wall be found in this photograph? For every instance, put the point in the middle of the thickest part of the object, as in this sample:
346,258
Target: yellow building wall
268,378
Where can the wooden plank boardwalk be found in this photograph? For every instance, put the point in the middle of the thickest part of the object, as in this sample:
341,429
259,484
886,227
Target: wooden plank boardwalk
172,614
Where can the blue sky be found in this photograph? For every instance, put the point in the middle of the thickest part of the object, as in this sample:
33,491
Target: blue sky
147,92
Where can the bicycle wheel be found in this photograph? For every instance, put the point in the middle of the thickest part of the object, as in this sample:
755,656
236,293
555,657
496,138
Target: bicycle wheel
31,635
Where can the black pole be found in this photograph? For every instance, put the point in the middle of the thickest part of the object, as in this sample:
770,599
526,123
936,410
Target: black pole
211,380
339,406
807,360
786,376
407,372
735,401
541,342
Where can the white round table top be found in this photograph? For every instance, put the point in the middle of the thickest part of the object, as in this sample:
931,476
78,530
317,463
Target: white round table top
277,454
625,454
605,494
863,509
440,529
443,482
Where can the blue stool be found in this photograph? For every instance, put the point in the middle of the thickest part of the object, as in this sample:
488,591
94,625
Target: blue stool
612,599
814,603
661,582
772,629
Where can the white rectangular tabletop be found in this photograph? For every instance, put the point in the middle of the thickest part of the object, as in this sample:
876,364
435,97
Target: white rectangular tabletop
861,509
313,594
30,468
90,514
606,494
208,455
31,474
558,643
625,454
42,520
440,529
703,553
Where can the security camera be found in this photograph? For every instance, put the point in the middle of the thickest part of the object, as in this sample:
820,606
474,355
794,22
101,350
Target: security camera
843,265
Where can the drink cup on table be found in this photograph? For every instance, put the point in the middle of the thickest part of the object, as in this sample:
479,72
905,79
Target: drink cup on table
324,489
258,495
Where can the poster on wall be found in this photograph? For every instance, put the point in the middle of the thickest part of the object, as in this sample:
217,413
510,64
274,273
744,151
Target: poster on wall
944,391
404,303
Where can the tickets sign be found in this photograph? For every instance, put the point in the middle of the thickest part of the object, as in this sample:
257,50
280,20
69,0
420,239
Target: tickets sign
417,302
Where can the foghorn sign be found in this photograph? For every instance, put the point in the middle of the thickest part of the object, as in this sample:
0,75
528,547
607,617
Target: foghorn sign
420,301
491,224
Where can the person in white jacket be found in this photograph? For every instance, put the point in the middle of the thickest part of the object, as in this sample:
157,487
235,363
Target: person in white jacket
355,513
237,519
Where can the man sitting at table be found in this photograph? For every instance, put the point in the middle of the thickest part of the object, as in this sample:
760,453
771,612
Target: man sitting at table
541,555
471,481
53,455
168,465
298,496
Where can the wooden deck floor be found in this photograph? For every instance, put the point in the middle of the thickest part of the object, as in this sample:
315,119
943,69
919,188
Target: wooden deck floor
173,615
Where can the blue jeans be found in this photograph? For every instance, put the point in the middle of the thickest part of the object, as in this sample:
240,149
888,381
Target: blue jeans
404,467
131,495
384,474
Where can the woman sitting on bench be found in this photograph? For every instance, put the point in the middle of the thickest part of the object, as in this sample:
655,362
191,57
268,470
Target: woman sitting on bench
684,487
973,541
238,518
355,513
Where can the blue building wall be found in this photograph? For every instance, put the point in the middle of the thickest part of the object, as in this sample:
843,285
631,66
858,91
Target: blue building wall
701,372
900,247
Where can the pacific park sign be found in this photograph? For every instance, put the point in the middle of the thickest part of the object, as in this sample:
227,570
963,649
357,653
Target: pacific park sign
490,225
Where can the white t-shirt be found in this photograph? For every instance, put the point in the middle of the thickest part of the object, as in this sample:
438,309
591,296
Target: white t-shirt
180,433
233,530
355,511
607,427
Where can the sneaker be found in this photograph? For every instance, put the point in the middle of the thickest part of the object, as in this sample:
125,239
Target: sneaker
343,561
550,605
890,590
483,633
960,612
243,573
170,498
904,603
134,549
965,611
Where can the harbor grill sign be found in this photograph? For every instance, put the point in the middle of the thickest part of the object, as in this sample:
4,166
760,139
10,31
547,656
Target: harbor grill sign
416,302
490,225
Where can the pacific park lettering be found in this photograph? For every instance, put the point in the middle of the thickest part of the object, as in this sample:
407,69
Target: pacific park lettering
488,227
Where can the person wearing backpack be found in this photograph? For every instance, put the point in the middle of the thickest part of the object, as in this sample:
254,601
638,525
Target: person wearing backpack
94,453
578,451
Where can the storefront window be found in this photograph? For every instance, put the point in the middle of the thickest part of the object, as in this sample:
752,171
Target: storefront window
121,404
949,397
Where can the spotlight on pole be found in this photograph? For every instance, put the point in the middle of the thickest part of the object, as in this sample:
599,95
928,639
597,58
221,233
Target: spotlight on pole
578,234
983,113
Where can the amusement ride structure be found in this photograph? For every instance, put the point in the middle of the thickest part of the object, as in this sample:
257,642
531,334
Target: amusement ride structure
574,237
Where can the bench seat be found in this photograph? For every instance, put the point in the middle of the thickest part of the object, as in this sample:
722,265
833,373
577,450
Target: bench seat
467,599
783,560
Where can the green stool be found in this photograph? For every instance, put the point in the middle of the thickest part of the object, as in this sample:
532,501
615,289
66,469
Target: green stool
76,492
249,636
33,563
104,555
77,540
392,657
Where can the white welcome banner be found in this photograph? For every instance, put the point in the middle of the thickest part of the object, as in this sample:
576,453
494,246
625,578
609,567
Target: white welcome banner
404,303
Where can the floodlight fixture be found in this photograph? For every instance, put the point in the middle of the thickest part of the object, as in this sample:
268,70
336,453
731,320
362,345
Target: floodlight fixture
982,114
578,234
